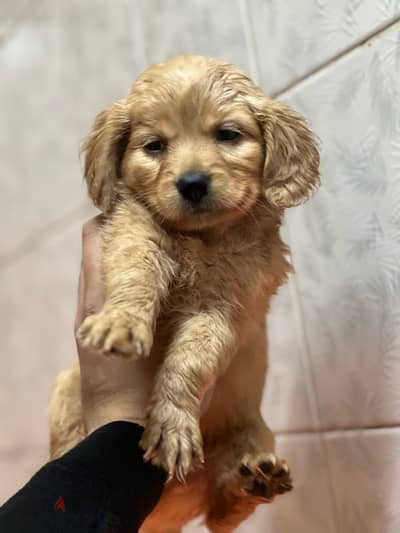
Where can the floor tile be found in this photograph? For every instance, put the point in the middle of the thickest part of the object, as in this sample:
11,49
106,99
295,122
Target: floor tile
365,472
308,508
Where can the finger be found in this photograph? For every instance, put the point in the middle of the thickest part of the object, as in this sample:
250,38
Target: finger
80,310
91,265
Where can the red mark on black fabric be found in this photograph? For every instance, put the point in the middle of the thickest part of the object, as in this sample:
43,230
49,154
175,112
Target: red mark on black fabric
59,504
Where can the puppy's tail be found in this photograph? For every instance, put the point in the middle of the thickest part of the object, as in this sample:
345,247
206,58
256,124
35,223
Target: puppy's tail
65,412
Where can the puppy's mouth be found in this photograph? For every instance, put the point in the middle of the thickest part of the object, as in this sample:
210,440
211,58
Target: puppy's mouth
200,208
211,212
198,201
212,206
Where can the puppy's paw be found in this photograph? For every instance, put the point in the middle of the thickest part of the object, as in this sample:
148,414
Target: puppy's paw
113,331
265,475
172,439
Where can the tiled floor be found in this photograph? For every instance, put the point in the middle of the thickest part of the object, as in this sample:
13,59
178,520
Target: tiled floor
333,389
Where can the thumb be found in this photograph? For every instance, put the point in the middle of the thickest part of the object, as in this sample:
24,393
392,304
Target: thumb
92,247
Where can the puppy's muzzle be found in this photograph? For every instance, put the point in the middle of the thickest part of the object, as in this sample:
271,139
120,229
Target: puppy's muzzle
194,186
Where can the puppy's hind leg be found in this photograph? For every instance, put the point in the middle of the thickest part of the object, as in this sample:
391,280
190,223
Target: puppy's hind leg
245,472
65,413
230,510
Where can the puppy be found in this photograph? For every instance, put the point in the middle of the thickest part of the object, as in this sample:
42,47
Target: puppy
194,170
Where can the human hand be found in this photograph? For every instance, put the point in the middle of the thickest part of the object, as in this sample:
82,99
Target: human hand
113,388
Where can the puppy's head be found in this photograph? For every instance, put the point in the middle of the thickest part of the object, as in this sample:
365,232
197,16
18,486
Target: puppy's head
199,143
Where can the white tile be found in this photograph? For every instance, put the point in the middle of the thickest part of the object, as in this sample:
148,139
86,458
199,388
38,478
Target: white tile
345,242
58,67
289,399
293,38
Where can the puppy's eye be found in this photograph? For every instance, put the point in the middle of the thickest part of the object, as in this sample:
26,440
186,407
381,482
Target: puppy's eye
227,135
155,147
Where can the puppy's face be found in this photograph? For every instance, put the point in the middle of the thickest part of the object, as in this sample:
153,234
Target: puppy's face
198,143
195,154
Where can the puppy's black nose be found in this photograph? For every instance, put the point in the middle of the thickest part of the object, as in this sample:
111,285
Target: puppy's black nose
194,186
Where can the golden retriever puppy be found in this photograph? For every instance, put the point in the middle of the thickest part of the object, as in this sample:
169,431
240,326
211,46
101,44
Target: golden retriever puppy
194,170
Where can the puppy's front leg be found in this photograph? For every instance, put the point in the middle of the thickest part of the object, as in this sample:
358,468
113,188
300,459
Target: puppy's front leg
200,352
137,270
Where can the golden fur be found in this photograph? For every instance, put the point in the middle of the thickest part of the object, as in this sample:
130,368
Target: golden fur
191,287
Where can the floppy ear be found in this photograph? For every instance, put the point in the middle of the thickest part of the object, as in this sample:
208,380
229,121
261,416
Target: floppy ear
103,149
291,170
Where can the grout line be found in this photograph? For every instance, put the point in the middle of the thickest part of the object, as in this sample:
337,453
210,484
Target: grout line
387,25
50,229
338,431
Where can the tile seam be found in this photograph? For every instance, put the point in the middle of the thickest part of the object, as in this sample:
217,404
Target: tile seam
376,32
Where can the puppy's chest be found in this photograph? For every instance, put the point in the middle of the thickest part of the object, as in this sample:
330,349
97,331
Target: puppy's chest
227,271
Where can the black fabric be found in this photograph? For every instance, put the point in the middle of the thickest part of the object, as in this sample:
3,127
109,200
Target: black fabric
101,486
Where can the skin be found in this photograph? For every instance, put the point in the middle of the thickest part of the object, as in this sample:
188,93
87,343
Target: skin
112,388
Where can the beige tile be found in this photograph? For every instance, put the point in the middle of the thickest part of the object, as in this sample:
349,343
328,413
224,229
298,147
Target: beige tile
17,466
171,27
11,14
60,66
365,472
38,294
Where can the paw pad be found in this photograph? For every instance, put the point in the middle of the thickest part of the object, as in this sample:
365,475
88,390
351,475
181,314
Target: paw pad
265,476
